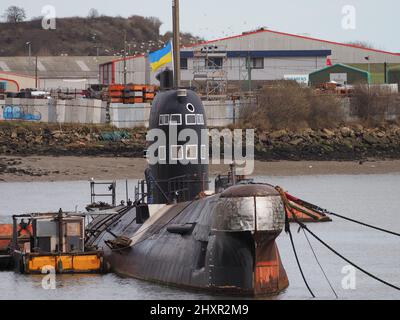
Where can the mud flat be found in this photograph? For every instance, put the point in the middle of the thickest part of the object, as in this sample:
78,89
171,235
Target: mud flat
48,168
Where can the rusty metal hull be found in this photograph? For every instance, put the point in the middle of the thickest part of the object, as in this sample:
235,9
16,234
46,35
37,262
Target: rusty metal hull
231,248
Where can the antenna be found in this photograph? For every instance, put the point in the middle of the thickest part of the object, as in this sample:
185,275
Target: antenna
176,44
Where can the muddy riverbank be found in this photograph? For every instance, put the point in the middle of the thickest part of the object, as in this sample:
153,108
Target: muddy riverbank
48,168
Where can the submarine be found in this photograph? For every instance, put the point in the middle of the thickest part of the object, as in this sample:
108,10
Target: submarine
180,234
177,232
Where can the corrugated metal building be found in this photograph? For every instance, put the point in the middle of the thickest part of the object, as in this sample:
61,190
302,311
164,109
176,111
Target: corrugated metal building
339,73
273,55
56,72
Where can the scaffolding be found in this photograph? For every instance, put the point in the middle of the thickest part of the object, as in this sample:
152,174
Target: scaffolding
209,71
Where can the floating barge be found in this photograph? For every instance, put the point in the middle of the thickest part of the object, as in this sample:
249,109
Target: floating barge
39,243
5,241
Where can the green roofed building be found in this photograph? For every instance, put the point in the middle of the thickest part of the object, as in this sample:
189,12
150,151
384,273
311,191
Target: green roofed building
340,73
394,75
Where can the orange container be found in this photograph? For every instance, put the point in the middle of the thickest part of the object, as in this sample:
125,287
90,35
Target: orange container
150,89
137,87
116,87
6,231
149,96
133,100
116,94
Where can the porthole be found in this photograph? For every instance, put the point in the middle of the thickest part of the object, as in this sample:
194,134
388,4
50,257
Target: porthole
190,107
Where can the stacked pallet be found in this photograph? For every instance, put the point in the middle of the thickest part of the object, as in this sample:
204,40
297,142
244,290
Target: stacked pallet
116,93
132,93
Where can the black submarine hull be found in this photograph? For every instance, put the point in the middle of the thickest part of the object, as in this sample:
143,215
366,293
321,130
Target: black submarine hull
217,244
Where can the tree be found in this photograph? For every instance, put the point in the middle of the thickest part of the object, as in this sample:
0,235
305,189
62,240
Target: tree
362,44
14,14
93,13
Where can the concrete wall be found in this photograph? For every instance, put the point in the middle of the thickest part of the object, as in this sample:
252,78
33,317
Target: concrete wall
219,114
130,116
82,111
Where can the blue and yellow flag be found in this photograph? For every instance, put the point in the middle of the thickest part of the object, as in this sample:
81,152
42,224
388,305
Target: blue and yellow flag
161,57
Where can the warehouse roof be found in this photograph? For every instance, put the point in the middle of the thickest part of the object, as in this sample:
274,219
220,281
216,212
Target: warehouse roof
269,53
340,65
54,67
263,30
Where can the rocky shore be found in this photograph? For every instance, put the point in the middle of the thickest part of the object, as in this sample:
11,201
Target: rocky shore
23,139
344,143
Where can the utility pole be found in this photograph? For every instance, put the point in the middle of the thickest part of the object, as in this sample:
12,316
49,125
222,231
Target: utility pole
176,44
125,70
36,73
249,70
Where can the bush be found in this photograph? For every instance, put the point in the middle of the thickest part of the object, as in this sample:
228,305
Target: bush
325,111
372,104
287,105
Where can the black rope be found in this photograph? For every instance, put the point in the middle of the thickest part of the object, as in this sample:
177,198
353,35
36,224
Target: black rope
287,229
320,266
324,211
363,224
303,226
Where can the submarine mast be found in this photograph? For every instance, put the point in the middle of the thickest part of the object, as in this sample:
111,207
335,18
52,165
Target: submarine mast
176,44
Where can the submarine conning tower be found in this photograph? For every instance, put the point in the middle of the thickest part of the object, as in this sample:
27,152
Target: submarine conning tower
181,172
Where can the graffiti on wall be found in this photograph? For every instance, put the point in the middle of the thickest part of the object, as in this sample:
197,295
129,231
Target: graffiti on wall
13,112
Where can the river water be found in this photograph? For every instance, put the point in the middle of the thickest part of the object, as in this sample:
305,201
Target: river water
374,199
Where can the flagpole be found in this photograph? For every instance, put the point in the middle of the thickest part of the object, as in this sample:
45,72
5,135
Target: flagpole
176,44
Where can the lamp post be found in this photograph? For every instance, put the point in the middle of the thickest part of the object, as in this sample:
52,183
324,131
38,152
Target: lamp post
29,44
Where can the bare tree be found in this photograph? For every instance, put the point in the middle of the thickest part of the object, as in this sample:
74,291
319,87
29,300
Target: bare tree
362,44
14,14
93,13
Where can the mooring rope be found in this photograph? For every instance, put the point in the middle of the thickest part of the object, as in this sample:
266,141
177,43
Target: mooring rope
303,226
363,224
289,232
326,212
320,266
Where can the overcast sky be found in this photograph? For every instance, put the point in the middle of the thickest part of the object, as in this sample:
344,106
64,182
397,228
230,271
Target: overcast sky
376,22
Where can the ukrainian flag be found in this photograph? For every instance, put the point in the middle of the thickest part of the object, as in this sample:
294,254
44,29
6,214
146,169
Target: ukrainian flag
161,57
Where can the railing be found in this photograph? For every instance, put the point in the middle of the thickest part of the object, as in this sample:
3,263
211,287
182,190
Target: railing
112,194
178,189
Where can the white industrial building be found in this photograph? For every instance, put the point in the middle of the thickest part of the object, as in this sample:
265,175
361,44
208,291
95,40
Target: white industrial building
59,72
273,56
